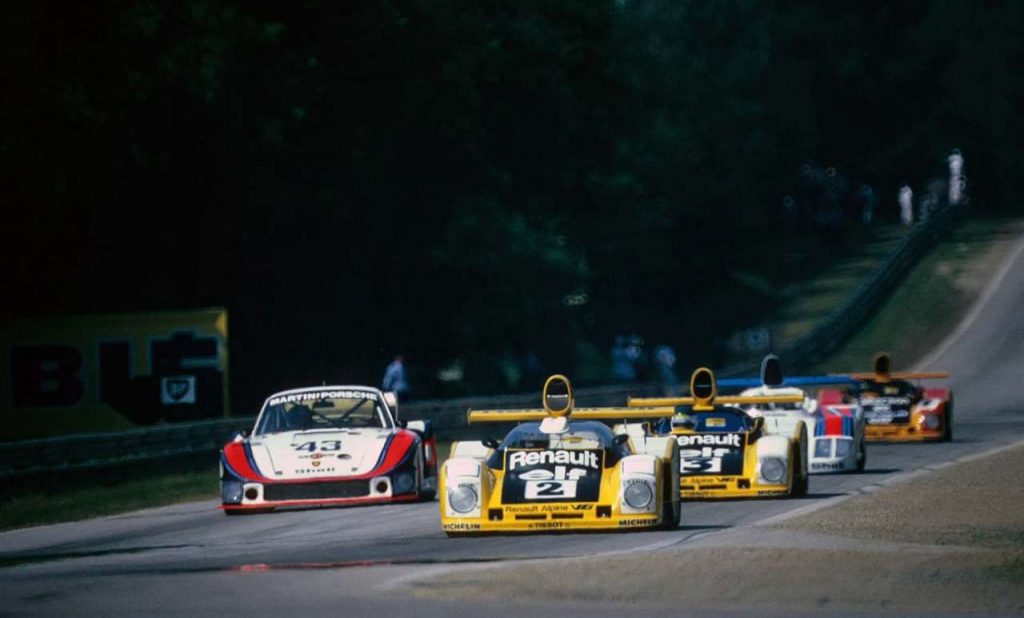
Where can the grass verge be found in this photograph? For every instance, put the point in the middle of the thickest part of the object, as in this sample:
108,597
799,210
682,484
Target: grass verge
113,493
107,495
934,296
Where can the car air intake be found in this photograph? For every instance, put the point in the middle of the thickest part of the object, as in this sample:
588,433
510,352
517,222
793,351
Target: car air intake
316,491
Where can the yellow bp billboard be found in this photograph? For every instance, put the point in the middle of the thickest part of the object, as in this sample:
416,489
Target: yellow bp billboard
112,371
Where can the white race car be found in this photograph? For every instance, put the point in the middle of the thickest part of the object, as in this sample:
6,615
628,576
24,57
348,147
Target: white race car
836,430
328,445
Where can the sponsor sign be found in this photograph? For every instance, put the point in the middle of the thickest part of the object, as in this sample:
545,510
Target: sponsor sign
552,475
110,371
711,453
461,527
317,395
177,390
887,411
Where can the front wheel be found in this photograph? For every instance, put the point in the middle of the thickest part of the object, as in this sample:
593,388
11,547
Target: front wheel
862,457
947,431
801,480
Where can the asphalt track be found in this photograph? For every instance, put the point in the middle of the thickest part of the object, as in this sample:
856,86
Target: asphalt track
190,559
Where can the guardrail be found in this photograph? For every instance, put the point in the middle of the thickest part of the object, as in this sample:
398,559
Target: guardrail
825,338
106,450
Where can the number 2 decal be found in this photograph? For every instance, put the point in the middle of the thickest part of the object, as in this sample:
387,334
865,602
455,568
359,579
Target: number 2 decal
541,490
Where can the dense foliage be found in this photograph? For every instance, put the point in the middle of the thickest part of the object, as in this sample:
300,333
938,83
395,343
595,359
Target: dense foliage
475,183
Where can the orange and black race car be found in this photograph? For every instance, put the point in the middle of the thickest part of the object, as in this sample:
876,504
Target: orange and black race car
896,408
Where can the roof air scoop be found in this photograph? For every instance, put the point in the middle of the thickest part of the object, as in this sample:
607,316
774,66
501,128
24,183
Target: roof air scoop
703,388
771,371
882,365
557,398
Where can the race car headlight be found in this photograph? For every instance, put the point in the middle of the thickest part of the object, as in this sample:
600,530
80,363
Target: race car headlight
822,448
930,421
773,469
231,492
843,447
403,483
638,495
462,499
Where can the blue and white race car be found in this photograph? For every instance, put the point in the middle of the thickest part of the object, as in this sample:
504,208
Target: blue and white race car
836,428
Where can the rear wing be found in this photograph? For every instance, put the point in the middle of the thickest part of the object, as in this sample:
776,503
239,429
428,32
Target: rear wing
798,381
704,389
772,377
588,414
559,403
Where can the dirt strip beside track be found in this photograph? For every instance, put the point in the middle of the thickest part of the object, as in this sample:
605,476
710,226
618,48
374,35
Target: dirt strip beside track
951,540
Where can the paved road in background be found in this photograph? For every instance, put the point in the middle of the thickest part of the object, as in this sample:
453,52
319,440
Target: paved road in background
190,558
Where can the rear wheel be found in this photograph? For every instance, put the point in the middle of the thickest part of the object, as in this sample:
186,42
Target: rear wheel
428,494
862,457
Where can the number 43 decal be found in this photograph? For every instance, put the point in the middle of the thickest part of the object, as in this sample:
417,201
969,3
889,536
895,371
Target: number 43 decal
325,445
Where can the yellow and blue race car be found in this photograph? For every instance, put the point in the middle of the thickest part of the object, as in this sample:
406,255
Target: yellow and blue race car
559,469
723,451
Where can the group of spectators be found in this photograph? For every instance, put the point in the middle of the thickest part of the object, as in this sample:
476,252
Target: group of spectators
827,204
630,363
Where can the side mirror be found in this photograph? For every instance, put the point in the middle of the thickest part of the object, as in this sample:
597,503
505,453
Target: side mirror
758,425
620,439
490,443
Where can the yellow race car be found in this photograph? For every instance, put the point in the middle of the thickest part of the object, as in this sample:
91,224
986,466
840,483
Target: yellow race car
559,469
723,451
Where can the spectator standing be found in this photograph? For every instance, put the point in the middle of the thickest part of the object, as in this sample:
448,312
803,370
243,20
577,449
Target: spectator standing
956,166
868,200
394,379
665,360
906,200
623,369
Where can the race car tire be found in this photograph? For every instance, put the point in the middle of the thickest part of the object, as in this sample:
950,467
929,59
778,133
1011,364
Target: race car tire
947,430
671,505
671,508
862,459
801,480
428,495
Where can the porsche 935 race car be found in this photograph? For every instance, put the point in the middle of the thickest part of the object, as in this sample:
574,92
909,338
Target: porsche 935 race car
558,470
725,452
898,410
836,430
328,445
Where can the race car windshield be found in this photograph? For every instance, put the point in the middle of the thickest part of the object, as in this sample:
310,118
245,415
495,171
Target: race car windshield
895,388
323,410
768,407
581,435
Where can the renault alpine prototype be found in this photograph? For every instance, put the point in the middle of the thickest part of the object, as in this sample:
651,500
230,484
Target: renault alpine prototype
836,429
325,446
725,452
559,469
898,410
